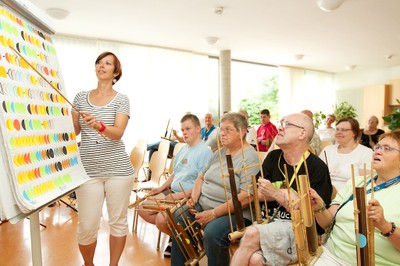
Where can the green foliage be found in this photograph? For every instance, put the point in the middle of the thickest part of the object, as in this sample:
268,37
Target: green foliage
268,99
393,119
318,118
344,109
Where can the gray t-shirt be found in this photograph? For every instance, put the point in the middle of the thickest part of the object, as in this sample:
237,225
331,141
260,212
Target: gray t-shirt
213,193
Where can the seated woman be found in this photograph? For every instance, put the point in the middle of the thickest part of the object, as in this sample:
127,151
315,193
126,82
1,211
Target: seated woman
340,248
345,152
370,134
208,203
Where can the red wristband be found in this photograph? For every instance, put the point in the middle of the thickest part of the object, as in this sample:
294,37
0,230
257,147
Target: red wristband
103,127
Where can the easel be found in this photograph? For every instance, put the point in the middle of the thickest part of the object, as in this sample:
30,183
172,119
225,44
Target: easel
35,230
68,205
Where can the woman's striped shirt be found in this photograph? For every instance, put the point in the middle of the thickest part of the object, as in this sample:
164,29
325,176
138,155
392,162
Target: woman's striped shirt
100,157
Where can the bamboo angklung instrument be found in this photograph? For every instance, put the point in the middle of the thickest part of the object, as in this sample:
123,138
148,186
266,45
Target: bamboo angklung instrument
187,236
239,232
303,220
298,228
364,229
257,208
255,190
166,129
307,212
238,210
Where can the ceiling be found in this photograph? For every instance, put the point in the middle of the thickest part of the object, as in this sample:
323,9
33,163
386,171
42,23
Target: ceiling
360,33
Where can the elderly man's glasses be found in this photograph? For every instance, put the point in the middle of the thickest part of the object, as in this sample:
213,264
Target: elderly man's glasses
285,124
384,148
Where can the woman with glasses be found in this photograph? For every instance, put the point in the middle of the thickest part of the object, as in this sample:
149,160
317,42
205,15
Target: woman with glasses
340,248
208,204
346,151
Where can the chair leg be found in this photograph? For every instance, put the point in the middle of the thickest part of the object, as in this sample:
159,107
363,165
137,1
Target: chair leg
136,221
135,217
158,240
145,173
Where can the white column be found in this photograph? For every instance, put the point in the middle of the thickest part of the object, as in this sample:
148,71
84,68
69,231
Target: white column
225,80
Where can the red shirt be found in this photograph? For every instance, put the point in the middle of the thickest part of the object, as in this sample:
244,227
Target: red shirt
264,132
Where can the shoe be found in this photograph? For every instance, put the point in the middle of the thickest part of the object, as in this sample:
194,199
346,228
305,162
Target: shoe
168,249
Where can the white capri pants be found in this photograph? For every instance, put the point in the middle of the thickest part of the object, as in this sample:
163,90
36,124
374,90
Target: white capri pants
90,198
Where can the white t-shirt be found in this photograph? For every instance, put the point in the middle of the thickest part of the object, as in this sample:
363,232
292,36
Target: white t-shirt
327,134
340,163
251,136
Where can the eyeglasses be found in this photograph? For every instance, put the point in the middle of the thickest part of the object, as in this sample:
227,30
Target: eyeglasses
384,148
227,130
339,129
285,124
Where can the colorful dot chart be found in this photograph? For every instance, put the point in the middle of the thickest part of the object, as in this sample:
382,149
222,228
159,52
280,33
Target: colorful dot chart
37,136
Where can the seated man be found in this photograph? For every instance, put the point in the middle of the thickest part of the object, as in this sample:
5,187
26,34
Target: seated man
273,243
188,163
175,138
208,202
209,132
315,142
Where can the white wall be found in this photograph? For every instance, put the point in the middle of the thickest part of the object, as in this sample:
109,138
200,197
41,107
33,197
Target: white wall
349,85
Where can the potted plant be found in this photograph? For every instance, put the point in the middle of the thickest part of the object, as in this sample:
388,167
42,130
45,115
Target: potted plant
344,109
393,119
319,117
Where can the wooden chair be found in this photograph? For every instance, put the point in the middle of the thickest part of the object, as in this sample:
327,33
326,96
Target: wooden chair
157,167
324,143
137,156
169,168
163,147
262,155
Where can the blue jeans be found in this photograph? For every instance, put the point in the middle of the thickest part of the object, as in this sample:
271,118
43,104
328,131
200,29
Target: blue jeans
215,240
153,147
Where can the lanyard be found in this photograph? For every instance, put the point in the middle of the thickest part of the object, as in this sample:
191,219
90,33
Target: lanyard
305,155
376,188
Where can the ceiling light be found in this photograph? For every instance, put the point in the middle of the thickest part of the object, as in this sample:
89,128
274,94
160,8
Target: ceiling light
298,57
329,5
350,67
57,13
219,10
211,40
389,56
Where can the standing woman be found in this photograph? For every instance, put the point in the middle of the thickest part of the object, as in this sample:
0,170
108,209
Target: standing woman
105,111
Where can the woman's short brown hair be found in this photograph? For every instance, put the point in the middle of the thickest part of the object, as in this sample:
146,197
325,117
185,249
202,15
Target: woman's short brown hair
355,126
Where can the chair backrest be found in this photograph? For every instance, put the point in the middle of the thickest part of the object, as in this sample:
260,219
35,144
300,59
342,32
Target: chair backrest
137,155
262,155
142,144
178,147
163,147
324,143
157,165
